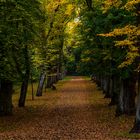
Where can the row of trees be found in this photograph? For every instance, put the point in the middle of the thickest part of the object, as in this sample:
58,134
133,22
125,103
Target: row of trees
32,35
109,44
103,38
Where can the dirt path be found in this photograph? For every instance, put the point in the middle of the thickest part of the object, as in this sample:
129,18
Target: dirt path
77,111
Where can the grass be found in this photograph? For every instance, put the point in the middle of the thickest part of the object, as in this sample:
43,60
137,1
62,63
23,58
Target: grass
67,78
35,85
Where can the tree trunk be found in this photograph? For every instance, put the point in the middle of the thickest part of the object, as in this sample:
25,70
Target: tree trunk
6,88
129,97
115,91
41,84
49,82
58,72
136,127
126,100
120,107
32,85
26,77
102,82
98,81
105,84
92,77
108,87
23,91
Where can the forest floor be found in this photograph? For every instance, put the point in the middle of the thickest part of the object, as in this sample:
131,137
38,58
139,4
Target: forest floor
75,111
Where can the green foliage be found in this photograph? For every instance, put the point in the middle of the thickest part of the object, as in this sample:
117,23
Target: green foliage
100,34
125,36
19,25
118,53
38,25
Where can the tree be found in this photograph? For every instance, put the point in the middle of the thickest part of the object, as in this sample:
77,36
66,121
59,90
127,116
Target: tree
19,24
59,14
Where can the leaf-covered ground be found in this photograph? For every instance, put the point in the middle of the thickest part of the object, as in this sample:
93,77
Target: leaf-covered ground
75,111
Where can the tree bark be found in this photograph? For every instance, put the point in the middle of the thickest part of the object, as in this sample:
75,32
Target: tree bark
98,81
32,85
26,77
6,88
102,82
49,82
129,97
105,84
126,100
108,87
41,84
23,91
120,107
115,90
136,127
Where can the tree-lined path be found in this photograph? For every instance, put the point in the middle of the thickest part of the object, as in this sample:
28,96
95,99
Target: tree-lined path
75,111
43,41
